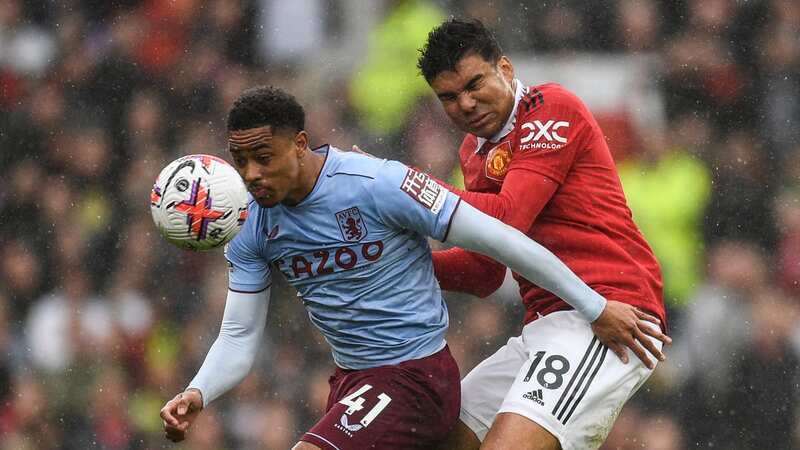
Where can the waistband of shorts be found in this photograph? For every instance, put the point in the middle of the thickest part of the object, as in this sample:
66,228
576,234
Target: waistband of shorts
444,349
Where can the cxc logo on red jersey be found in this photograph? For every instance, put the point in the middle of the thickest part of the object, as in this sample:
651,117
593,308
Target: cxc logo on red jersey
544,135
351,224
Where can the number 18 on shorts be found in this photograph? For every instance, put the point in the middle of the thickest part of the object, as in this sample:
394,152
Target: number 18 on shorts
559,375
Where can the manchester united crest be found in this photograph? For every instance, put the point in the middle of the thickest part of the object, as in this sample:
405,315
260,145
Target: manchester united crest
497,161
351,224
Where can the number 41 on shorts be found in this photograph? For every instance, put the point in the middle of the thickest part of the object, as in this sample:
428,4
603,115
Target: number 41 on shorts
355,402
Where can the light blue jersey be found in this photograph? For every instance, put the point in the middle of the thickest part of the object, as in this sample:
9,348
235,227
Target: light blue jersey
356,251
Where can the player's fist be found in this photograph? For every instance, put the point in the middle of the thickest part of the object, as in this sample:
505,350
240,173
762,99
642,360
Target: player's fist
180,412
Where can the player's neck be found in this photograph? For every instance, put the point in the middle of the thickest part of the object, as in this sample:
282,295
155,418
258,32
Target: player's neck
310,169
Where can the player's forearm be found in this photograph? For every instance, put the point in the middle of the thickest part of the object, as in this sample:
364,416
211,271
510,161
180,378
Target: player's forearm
462,271
478,232
231,356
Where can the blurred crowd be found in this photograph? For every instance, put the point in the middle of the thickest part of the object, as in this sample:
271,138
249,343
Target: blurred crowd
101,321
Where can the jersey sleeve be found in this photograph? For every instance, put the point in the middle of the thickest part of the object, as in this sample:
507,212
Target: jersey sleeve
248,270
406,198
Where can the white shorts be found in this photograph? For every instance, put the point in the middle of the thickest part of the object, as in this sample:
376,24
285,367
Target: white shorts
558,375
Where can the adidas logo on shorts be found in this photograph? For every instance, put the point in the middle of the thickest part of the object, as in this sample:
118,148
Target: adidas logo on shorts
536,396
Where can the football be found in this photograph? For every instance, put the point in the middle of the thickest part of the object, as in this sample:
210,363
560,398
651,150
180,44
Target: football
198,202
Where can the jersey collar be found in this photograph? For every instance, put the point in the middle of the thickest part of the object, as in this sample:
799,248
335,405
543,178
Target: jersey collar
519,91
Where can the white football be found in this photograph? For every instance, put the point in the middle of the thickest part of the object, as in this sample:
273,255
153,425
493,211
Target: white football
199,202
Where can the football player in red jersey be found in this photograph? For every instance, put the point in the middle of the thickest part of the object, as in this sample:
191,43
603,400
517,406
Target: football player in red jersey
535,158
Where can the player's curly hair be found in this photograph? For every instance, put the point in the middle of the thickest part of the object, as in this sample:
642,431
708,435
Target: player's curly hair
453,40
266,105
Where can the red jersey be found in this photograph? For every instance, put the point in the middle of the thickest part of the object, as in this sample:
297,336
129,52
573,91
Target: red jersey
553,178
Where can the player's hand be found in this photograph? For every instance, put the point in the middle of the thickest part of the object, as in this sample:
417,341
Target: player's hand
621,325
180,412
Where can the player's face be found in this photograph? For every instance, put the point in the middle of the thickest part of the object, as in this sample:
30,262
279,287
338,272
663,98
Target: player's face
269,163
478,95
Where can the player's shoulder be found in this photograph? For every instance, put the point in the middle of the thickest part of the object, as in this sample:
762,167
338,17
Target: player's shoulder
363,166
352,164
248,238
552,92
362,174
550,95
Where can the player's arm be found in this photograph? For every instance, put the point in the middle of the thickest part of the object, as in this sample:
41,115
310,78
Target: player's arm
231,356
523,196
249,278
411,199
478,232
227,363
618,325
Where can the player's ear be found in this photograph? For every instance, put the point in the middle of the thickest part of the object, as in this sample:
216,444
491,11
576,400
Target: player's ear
301,143
505,68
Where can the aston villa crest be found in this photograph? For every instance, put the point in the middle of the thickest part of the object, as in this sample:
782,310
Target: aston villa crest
351,225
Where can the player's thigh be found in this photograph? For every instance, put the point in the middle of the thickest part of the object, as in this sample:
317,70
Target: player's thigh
484,389
410,406
511,424
571,385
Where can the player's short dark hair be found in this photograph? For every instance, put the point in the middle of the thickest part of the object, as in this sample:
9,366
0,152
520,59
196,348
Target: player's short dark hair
266,105
453,40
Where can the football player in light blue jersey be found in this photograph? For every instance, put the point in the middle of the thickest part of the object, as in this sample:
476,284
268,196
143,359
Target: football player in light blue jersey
349,232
